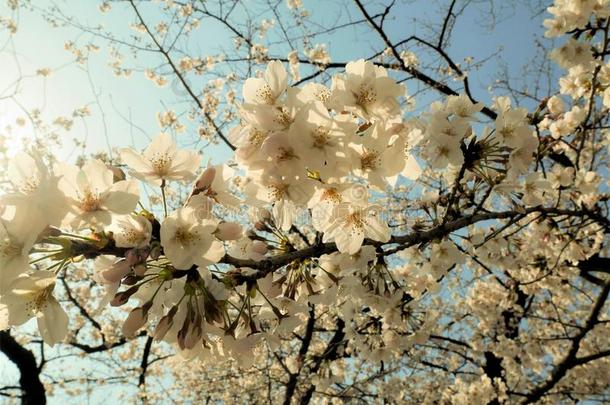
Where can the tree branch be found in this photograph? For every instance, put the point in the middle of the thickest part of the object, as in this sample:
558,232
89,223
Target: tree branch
144,364
292,381
181,77
31,386
570,360
443,88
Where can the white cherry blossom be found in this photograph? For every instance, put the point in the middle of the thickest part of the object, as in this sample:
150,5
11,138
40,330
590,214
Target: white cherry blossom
351,223
188,241
269,88
92,196
160,161
131,230
35,188
367,91
17,237
32,296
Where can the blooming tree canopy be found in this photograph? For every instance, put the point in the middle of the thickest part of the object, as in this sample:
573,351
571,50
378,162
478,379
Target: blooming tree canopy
352,249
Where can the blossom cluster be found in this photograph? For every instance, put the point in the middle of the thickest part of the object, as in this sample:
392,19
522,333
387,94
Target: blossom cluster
306,221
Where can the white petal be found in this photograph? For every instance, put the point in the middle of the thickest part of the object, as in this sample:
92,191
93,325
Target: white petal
122,197
283,213
134,160
53,322
377,230
161,144
184,165
16,309
21,169
251,88
276,77
215,252
349,241
68,182
98,174
412,170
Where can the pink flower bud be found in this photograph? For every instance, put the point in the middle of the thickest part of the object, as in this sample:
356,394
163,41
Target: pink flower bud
259,247
123,296
116,272
49,231
182,332
165,324
260,226
163,327
194,335
206,178
229,231
187,335
140,269
264,214
143,253
135,320
132,257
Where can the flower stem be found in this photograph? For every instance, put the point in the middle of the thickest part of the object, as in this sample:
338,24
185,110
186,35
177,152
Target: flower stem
163,196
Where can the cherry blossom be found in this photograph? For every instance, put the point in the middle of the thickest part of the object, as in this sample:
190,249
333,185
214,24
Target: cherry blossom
268,89
352,222
131,231
32,296
93,197
35,188
367,91
160,161
186,240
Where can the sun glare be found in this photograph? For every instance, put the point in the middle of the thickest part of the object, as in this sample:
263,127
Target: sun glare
15,129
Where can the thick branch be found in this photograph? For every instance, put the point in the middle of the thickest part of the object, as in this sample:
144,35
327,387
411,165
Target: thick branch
105,346
264,267
330,353
33,390
144,364
292,381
